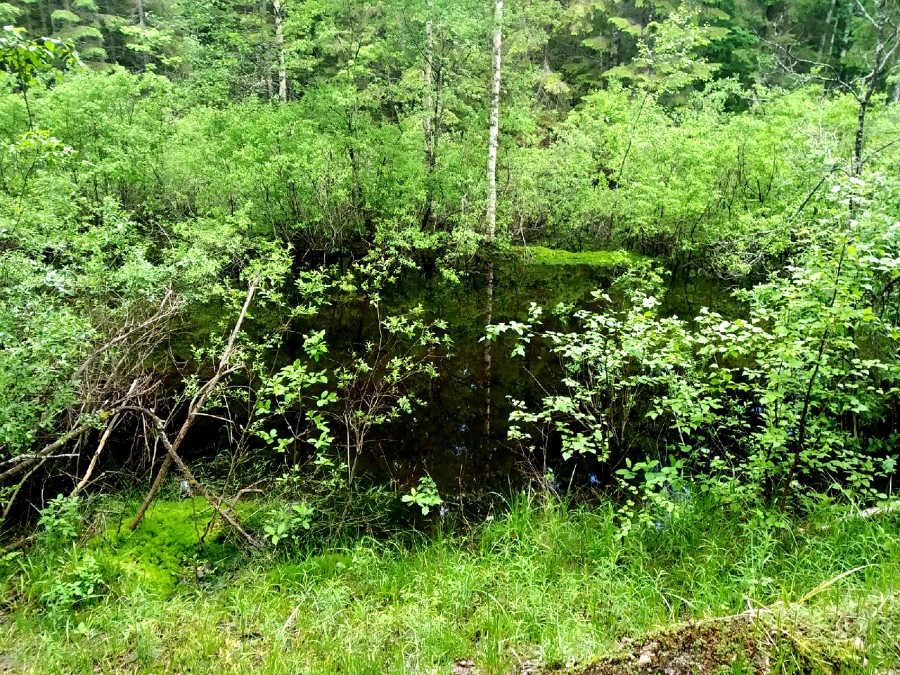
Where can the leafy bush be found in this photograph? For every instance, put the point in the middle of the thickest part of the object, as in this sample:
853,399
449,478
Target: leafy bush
60,520
788,400
78,580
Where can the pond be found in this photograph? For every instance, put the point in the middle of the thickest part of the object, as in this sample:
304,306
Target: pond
459,437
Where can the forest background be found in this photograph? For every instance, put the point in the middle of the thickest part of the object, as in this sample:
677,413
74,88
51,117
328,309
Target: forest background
349,275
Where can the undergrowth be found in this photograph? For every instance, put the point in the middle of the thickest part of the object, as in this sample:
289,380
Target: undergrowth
540,584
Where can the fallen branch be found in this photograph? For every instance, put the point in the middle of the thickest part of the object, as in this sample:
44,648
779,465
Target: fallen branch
237,497
194,409
876,511
192,481
43,454
865,514
102,444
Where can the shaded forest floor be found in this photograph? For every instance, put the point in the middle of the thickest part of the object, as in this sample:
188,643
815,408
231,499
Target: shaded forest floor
539,589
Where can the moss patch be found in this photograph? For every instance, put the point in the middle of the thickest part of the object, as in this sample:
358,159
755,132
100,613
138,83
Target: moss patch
166,546
740,644
540,255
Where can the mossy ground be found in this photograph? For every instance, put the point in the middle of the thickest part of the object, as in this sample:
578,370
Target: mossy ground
171,541
758,643
538,586
540,255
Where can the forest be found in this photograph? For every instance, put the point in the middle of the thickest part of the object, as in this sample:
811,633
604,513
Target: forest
450,336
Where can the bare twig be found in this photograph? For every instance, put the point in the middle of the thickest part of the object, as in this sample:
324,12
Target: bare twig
194,483
194,409
167,307
48,450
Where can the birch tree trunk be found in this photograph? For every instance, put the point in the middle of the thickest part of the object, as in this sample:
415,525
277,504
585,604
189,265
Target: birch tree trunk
278,12
492,210
428,121
495,124
828,30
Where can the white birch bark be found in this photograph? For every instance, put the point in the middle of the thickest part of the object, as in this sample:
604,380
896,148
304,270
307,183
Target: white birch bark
495,123
278,12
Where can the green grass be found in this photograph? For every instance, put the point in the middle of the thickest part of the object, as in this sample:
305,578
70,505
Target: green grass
539,255
540,583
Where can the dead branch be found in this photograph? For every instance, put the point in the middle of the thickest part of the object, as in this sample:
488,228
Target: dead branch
102,444
103,440
192,481
48,450
878,511
237,497
194,409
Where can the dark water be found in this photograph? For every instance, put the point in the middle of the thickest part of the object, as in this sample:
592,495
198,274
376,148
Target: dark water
453,438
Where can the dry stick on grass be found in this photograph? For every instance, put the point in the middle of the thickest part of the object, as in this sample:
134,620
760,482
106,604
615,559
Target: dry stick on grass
214,502
237,497
194,409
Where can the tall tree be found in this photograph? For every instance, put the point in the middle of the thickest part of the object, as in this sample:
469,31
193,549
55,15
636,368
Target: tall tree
278,11
428,120
495,121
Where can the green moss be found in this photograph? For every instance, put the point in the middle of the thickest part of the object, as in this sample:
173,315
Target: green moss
161,551
540,255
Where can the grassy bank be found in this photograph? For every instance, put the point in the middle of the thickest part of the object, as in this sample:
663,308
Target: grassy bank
540,584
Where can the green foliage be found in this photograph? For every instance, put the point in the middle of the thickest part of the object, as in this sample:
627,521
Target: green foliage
766,406
668,60
654,492
43,346
60,520
424,495
311,508
26,59
612,366
139,197
65,16
80,582
283,525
